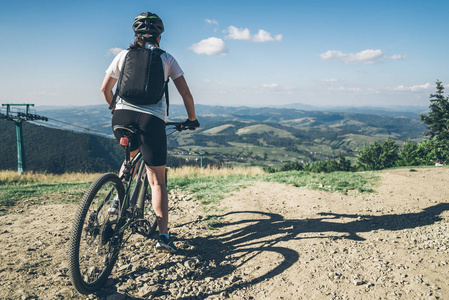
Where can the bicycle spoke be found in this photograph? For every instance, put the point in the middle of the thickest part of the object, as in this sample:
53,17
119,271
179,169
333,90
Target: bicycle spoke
99,229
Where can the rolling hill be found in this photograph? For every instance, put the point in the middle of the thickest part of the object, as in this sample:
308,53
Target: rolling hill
264,136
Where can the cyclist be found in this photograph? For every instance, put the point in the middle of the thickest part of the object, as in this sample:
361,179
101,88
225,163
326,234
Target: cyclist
150,119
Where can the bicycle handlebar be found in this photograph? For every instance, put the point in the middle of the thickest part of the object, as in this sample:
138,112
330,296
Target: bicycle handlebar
179,126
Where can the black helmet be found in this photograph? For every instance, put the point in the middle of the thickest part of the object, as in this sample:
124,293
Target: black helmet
148,24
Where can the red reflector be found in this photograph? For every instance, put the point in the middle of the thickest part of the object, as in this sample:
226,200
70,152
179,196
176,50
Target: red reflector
124,141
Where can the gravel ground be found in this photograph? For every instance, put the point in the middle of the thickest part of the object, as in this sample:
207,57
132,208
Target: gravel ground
273,242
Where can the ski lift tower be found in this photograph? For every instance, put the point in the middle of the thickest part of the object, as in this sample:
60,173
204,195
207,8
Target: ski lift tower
18,118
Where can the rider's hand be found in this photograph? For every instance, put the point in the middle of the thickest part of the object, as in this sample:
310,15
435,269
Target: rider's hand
192,125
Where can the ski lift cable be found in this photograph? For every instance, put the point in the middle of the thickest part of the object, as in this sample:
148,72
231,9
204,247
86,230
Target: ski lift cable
88,129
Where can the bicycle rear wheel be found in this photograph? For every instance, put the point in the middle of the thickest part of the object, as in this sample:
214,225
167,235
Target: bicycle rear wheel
94,245
146,212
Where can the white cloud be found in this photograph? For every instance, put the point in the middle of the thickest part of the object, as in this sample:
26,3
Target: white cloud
262,36
276,87
413,88
397,56
331,54
348,89
235,33
330,80
368,56
213,22
271,85
211,46
114,51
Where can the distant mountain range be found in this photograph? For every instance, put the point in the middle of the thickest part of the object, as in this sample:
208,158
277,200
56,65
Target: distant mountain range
265,135
96,118
392,111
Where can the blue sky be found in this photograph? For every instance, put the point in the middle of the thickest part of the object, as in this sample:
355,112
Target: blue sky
253,53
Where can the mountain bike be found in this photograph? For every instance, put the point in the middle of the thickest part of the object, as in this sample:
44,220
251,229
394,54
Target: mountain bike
99,232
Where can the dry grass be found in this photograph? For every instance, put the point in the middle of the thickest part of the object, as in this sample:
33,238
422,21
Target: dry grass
195,171
12,177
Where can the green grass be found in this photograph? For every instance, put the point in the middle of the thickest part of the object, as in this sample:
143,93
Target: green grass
58,192
340,182
38,187
211,189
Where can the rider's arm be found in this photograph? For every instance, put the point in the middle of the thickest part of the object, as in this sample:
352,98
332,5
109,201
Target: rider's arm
184,91
106,88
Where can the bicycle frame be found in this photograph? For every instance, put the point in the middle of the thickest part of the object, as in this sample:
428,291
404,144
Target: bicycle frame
130,198
98,232
127,177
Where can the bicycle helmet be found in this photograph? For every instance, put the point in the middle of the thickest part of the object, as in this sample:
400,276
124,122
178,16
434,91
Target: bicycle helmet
148,24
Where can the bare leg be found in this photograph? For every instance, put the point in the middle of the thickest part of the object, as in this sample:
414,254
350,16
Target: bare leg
156,178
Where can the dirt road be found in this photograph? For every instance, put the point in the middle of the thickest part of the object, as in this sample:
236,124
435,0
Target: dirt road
274,242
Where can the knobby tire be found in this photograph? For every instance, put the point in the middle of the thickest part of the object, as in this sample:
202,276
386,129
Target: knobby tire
93,227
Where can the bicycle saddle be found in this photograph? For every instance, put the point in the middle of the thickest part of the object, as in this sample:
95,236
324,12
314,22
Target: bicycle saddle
125,130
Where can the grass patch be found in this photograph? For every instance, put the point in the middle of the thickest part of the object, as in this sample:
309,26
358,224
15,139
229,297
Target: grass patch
211,189
212,221
189,171
341,182
33,264
64,188
12,178
65,192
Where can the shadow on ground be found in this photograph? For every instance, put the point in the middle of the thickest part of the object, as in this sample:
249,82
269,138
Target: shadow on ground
260,232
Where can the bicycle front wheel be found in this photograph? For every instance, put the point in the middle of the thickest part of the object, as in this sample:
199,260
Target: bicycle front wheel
94,243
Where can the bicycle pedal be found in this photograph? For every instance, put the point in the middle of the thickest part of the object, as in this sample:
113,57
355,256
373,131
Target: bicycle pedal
143,227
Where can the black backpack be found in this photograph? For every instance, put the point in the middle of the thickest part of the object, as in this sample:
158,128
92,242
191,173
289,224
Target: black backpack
142,80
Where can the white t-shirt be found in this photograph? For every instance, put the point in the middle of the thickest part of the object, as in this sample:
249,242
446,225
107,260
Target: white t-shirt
171,69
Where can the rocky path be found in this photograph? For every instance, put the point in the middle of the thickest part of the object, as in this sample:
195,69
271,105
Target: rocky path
274,242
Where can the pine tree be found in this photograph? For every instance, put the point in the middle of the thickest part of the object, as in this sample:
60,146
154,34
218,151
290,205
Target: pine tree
438,121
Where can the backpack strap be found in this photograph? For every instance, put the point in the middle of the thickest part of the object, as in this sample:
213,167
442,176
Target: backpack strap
159,51
166,94
114,99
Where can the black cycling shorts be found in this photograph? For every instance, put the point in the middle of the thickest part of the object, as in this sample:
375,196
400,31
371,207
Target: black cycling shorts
151,137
